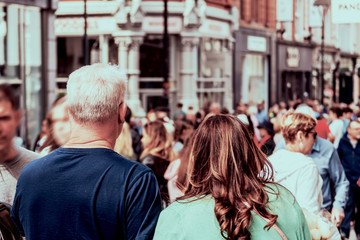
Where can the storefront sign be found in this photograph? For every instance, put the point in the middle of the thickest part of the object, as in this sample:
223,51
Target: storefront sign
74,26
292,57
284,10
156,24
345,11
215,29
257,44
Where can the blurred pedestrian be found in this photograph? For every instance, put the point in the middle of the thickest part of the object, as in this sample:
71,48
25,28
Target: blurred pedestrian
225,193
182,131
45,131
123,145
59,127
179,114
293,169
157,153
215,108
13,158
176,171
326,158
267,144
349,152
85,189
336,125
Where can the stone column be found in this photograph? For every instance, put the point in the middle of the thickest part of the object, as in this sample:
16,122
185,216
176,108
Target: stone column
134,76
123,45
104,48
228,98
128,60
187,83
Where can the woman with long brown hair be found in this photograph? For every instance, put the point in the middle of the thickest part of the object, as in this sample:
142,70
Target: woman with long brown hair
229,193
157,153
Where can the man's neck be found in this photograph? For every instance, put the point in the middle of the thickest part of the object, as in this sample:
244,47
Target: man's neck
352,139
94,136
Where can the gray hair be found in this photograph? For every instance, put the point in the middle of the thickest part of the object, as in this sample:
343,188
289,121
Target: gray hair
95,92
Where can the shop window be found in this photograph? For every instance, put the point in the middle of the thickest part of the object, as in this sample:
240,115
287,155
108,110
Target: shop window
113,52
9,43
212,66
151,57
254,79
70,52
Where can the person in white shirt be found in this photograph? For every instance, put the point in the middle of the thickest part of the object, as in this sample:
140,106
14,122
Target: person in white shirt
337,125
292,168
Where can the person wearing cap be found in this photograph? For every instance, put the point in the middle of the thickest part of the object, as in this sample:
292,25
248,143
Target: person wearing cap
328,163
267,144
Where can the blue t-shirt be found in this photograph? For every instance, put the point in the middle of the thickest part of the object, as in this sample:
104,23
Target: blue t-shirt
86,194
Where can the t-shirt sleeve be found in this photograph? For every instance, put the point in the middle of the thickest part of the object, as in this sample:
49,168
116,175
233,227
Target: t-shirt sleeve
169,226
143,206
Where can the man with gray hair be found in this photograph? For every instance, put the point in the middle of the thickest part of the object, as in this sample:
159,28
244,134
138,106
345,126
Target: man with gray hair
327,160
84,190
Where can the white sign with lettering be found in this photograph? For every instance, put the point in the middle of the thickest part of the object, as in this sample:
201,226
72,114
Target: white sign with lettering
257,44
292,57
155,24
345,11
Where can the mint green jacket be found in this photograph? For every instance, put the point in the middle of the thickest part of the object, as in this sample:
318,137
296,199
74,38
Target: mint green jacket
196,220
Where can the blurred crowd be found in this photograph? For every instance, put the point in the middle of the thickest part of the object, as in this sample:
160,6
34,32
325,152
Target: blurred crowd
311,150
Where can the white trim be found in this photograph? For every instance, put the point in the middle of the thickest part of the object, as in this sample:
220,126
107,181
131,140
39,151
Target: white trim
158,7
218,13
92,7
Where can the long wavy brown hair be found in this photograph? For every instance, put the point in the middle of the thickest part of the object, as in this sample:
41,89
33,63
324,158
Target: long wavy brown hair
225,163
161,144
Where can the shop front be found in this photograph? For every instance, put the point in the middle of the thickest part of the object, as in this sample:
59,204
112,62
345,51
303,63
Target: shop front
331,71
199,49
295,72
347,77
254,66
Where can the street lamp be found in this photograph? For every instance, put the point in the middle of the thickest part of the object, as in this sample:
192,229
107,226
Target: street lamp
325,6
85,38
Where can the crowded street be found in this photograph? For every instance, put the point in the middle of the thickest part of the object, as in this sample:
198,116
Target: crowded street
180,120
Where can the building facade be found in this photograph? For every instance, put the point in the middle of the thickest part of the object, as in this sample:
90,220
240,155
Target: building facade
130,34
28,59
331,49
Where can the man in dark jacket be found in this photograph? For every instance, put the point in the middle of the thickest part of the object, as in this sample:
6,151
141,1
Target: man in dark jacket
349,153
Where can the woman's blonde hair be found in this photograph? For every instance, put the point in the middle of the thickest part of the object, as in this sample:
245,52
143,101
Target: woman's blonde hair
292,123
161,142
123,144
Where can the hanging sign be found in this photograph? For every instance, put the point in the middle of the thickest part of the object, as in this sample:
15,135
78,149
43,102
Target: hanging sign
345,11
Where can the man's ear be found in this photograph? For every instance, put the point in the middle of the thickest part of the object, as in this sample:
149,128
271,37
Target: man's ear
122,112
300,135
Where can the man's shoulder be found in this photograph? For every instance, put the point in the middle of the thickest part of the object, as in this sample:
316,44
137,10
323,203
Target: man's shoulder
325,146
26,155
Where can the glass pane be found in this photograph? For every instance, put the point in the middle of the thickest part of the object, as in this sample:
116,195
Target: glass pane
253,79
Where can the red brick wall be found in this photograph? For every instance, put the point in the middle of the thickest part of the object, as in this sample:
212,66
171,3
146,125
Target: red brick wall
258,13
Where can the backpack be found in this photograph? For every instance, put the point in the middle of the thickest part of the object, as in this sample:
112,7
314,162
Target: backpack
8,230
